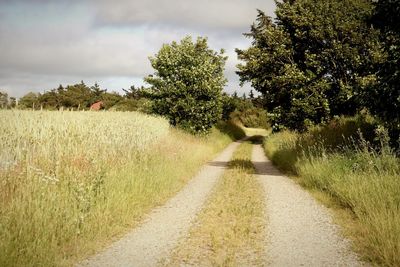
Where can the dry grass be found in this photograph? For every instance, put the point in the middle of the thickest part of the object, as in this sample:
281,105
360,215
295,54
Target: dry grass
230,230
256,131
71,181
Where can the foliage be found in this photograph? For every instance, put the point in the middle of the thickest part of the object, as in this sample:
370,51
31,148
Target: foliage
229,104
187,84
232,129
249,115
309,62
110,99
12,103
383,95
30,100
3,100
246,111
80,97
136,92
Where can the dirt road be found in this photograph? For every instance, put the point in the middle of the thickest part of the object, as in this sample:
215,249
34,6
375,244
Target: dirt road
300,230
162,229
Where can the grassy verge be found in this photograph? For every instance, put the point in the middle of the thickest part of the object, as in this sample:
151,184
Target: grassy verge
350,175
230,229
71,181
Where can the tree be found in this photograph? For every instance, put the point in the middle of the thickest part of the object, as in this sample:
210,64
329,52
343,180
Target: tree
76,96
3,99
110,99
187,84
309,62
50,99
97,93
134,92
30,100
383,96
13,102
249,115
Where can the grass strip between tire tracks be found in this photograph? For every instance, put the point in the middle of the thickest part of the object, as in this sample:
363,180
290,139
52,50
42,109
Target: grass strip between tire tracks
230,229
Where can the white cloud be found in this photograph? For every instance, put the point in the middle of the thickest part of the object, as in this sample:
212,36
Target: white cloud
44,43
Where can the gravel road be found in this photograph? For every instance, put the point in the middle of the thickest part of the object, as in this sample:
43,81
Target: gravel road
300,230
162,229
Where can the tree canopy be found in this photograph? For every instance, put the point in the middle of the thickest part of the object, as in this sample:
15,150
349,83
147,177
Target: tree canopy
187,84
309,62
383,96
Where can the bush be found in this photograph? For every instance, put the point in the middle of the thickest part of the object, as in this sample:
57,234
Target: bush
287,147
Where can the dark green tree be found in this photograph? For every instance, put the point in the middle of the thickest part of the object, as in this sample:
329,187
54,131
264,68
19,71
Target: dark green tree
383,97
229,104
134,92
187,84
76,96
50,99
249,115
97,93
110,99
308,63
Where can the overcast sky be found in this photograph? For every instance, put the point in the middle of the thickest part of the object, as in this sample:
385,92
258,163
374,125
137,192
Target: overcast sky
44,43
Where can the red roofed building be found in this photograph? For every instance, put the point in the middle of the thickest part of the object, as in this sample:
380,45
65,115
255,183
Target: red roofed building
96,106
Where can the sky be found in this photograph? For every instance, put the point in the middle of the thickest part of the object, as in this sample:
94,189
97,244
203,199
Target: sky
44,43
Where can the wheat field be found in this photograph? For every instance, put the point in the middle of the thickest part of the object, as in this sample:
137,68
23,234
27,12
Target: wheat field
70,181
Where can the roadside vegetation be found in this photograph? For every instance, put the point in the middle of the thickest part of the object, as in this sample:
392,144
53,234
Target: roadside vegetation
71,181
230,230
350,161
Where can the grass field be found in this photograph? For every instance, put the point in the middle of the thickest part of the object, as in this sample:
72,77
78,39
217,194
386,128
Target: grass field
359,177
230,230
73,181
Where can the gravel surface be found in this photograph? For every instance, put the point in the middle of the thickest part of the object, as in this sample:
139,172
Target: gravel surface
300,231
162,229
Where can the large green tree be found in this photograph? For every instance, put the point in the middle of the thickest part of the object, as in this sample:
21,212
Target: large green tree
309,61
187,84
383,98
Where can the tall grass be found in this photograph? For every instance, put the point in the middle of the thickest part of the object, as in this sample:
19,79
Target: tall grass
357,174
70,181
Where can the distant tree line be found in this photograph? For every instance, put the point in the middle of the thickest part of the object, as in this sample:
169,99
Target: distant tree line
79,97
